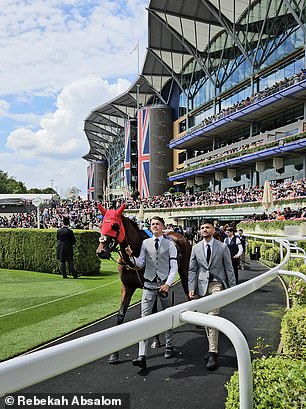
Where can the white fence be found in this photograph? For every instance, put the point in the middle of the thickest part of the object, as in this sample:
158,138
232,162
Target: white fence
26,370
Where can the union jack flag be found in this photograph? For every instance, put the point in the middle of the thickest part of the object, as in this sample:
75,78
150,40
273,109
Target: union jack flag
91,181
127,153
143,137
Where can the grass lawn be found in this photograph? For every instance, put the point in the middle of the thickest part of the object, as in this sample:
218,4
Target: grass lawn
38,307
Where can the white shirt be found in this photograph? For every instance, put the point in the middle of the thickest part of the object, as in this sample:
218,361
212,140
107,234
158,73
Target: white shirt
211,243
238,242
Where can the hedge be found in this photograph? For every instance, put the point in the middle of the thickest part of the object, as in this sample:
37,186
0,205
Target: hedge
35,250
269,225
293,333
278,382
267,251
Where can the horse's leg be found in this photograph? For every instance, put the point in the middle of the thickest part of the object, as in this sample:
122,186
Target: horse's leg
156,341
126,295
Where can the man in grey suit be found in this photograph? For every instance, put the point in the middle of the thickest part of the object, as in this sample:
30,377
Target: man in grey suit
210,271
158,256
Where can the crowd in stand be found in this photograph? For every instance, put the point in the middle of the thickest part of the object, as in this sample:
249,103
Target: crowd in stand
278,86
232,150
82,214
235,195
85,215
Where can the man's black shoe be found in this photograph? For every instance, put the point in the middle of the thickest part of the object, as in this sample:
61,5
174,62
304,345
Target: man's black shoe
156,344
65,276
140,361
212,361
169,353
206,356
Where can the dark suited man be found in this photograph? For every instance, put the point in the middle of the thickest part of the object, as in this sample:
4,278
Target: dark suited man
236,249
158,255
64,250
210,271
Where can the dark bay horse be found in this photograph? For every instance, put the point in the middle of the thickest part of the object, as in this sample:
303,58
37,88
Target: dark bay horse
120,230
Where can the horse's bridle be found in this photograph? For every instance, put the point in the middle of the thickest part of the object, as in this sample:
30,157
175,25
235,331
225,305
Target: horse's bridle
116,248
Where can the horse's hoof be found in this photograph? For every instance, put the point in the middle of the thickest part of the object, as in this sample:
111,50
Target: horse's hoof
156,344
113,358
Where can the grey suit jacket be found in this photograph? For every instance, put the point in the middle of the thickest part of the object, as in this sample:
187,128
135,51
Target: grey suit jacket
220,265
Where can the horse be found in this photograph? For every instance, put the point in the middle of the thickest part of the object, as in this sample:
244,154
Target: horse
120,231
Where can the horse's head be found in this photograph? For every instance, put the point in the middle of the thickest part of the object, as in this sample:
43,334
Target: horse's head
112,231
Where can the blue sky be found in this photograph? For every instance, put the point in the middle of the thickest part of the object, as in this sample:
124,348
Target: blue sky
60,60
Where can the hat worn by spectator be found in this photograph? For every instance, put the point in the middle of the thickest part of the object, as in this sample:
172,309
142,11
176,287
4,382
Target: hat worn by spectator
66,221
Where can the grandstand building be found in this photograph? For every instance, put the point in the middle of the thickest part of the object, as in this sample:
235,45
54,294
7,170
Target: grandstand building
220,101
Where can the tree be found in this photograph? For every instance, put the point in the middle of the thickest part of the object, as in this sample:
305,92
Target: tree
10,185
48,191
73,193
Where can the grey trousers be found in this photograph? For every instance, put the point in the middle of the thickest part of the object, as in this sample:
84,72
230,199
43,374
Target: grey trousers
147,302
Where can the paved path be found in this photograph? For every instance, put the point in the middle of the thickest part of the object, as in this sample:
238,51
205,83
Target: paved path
182,382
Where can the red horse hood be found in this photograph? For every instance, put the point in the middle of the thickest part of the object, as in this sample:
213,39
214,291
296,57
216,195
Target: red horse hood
110,217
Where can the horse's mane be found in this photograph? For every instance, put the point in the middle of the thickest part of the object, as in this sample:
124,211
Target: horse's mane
126,221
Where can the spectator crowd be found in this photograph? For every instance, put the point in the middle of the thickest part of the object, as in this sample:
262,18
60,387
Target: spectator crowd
85,214
255,97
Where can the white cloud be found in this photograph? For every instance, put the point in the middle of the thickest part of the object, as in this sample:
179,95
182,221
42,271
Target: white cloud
52,43
59,50
60,139
4,107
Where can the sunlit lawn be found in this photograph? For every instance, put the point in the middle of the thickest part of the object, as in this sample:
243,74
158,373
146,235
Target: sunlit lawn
37,307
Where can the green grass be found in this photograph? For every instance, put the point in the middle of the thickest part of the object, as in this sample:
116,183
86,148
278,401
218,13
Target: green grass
37,307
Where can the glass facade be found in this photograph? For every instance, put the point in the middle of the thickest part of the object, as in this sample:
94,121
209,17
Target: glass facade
279,73
266,34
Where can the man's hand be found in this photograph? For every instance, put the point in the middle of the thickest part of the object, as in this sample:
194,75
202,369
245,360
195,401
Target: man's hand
164,288
128,251
191,294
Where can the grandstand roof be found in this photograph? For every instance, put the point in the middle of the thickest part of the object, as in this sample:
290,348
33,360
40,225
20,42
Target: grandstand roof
19,198
179,31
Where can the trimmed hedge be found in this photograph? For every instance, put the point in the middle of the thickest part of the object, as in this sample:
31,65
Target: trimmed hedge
278,382
293,333
296,287
267,251
269,225
35,250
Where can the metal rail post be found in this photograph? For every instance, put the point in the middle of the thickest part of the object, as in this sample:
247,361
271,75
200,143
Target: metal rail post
241,347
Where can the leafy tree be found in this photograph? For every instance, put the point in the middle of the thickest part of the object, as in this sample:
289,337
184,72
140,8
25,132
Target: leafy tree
34,190
10,185
73,193
48,191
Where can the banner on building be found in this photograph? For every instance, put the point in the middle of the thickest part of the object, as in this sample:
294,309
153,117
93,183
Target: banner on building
127,153
143,139
91,181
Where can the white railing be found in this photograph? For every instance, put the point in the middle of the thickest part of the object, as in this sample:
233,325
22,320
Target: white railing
27,370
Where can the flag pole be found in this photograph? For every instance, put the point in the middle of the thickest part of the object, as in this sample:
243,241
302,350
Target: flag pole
138,70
